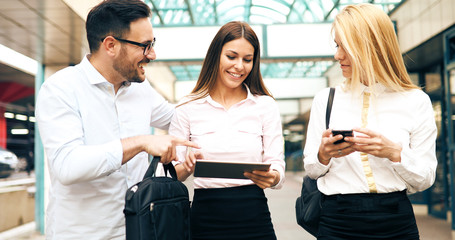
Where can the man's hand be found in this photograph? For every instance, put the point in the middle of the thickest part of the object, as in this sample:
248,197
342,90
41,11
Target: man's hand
156,145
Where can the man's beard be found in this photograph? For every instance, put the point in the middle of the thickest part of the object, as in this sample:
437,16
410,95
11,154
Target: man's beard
128,71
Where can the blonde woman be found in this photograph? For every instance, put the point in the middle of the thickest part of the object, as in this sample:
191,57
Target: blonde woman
366,178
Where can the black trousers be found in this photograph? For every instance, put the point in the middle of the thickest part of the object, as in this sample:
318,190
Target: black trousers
231,213
367,216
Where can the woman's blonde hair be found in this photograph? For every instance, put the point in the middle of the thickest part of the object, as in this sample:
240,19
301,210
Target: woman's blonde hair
368,36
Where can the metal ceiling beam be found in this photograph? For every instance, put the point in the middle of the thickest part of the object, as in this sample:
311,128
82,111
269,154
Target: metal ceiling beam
268,8
230,9
215,12
190,11
309,9
335,5
290,69
173,9
156,10
309,68
247,12
291,8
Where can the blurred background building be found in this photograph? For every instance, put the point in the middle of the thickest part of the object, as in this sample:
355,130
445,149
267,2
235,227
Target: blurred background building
40,37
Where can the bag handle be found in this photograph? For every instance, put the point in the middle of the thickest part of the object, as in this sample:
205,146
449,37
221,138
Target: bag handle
151,170
329,107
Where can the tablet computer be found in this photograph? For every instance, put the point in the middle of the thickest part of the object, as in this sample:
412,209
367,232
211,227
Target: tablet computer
227,169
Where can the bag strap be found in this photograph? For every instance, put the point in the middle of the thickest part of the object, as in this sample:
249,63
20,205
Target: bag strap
329,107
151,170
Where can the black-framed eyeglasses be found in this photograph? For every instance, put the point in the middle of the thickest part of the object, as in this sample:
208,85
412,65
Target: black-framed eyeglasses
147,46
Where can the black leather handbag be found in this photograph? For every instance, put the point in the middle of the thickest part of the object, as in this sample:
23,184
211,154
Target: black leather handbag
308,205
158,208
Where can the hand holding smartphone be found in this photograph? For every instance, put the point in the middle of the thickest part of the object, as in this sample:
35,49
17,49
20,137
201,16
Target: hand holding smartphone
344,133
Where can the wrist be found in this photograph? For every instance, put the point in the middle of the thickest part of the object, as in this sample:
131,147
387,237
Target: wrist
322,160
395,156
182,173
277,178
142,143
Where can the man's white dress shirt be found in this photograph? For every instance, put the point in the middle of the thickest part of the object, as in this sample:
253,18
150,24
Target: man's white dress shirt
406,118
81,121
248,131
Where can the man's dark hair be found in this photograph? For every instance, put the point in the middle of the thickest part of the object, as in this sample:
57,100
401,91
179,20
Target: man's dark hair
113,18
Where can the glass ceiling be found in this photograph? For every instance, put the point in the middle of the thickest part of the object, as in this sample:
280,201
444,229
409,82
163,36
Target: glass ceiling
298,69
168,13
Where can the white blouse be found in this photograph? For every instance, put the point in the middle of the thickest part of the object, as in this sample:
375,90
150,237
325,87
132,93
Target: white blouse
248,131
403,117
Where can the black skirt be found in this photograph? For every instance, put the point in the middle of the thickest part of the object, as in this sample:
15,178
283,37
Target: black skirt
367,216
231,213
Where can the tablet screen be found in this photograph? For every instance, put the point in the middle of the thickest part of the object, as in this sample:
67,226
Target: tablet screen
227,169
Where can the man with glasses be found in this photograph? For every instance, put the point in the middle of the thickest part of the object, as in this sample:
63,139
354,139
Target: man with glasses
94,120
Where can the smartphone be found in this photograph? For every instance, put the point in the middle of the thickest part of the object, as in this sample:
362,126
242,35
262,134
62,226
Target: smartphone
345,133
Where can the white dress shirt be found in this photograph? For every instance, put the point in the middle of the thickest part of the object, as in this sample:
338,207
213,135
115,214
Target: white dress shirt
406,118
81,121
248,131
